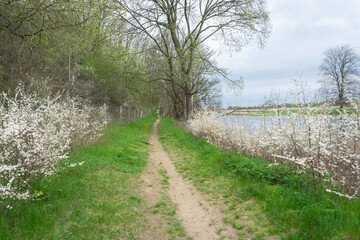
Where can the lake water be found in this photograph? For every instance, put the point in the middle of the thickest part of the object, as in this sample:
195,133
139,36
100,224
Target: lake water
251,121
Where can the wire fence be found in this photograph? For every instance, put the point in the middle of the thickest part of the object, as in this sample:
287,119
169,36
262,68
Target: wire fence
128,114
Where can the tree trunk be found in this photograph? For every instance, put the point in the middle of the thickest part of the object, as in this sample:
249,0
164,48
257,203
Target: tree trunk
341,102
341,106
189,103
69,65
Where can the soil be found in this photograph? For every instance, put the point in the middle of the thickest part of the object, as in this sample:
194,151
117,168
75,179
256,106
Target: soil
200,219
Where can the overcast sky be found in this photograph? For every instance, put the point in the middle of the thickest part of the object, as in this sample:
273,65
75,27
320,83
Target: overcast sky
301,31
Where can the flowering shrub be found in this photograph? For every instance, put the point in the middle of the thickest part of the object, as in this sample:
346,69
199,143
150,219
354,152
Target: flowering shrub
36,133
325,144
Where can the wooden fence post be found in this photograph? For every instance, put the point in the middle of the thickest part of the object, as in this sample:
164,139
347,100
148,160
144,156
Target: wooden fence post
128,113
120,113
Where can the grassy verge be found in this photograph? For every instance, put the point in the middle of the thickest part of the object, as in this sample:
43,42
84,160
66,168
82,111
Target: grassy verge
253,188
98,200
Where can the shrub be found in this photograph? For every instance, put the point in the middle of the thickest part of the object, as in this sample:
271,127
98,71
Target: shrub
326,145
37,133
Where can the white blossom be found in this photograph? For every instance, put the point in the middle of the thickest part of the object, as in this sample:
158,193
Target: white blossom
36,133
323,143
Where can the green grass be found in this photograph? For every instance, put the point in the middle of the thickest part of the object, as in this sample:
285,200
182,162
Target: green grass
267,194
98,200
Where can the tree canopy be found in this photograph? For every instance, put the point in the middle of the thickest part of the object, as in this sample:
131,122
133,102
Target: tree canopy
178,30
340,69
135,53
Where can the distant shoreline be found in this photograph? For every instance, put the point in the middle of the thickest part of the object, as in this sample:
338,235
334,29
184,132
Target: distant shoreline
283,111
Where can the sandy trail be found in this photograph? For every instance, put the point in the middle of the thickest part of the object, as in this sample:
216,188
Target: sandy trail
200,219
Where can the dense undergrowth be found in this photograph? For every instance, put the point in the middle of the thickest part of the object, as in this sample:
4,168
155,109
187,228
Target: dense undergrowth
327,146
297,210
97,200
36,135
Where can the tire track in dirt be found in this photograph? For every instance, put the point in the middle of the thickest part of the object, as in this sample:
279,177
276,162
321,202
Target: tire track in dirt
200,219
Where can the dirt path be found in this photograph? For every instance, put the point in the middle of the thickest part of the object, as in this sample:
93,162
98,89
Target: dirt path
151,189
200,219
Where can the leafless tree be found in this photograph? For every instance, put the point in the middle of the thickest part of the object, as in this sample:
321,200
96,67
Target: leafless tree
178,27
340,69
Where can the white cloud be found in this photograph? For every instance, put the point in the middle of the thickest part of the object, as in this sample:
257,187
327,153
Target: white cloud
326,22
301,32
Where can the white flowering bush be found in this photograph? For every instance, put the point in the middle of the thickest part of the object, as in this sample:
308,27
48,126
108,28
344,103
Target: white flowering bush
324,144
206,124
36,134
